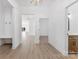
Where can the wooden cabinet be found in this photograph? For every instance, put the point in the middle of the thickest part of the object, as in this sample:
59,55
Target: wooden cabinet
73,44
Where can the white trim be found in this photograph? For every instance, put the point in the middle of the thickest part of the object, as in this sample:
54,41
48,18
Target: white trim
72,4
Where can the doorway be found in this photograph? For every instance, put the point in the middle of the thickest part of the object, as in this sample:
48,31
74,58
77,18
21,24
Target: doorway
43,23
72,28
25,26
30,27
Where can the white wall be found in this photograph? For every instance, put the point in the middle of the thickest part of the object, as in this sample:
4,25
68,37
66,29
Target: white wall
57,25
32,26
43,23
17,28
37,33
17,24
73,10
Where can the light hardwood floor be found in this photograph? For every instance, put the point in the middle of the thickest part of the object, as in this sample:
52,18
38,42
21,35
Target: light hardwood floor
28,50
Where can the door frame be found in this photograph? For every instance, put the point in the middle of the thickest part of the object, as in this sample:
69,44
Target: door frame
67,26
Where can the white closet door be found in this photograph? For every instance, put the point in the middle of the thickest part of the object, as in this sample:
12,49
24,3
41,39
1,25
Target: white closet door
7,26
1,26
43,26
1,20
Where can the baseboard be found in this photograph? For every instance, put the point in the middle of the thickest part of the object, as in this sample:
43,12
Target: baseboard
17,45
65,53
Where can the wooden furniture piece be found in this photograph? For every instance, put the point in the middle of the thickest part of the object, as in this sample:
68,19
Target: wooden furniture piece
73,44
6,41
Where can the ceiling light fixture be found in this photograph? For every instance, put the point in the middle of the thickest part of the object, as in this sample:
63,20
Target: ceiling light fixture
35,2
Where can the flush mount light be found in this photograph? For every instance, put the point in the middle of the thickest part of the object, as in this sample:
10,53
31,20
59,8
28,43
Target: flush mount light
35,2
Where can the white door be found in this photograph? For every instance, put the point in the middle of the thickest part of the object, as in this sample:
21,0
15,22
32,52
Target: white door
8,25
43,26
2,26
1,19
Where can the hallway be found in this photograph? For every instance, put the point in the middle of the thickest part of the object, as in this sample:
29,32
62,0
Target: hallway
45,25
28,50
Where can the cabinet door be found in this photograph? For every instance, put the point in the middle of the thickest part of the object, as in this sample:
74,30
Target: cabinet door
73,45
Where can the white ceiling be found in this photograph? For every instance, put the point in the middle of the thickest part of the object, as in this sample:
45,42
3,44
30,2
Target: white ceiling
28,2
5,3
25,6
24,3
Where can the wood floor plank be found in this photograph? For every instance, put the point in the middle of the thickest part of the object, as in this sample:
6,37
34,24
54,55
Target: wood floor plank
28,50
